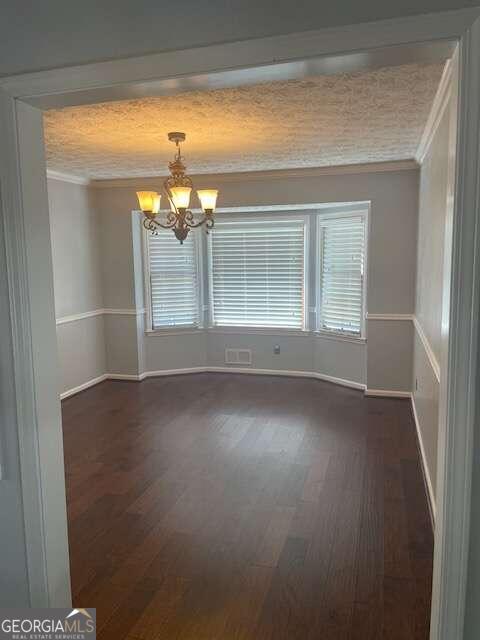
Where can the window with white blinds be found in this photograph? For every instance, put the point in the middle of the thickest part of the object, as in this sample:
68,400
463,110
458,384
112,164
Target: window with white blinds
340,288
257,273
173,280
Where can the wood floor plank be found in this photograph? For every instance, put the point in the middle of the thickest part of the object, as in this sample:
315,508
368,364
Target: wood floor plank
234,507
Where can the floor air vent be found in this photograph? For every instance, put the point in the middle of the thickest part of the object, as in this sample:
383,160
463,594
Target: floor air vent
238,356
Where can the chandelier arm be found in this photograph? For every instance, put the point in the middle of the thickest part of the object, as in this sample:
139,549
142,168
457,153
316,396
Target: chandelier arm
152,225
166,226
206,220
190,222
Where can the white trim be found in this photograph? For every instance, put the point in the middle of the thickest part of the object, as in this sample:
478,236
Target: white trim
390,316
67,177
425,469
82,387
173,372
273,174
124,312
177,331
261,372
99,312
340,381
428,349
337,336
224,369
79,316
125,376
440,102
387,393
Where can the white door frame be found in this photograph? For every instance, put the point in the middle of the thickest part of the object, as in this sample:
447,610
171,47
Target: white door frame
31,329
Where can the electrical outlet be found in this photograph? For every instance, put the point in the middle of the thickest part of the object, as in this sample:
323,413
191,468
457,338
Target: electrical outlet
276,349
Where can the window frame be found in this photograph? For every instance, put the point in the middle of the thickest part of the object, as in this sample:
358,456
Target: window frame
336,215
312,219
147,289
289,216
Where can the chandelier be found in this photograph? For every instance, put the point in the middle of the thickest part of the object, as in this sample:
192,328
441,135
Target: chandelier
177,187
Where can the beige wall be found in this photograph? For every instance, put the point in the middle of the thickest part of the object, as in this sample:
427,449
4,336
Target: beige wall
77,268
391,281
429,289
75,248
98,264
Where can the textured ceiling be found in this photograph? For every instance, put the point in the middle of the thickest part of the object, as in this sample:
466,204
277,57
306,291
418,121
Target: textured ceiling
370,116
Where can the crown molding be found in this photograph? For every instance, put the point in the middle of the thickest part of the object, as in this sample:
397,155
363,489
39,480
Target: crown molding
439,104
274,174
67,177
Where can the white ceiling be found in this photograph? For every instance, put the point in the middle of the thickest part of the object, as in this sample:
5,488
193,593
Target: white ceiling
350,118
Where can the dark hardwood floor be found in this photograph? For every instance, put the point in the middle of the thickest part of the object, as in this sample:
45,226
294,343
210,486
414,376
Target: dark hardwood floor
215,506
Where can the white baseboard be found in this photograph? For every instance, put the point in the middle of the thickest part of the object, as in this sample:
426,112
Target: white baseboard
288,373
340,381
246,370
82,387
383,393
173,372
387,393
425,469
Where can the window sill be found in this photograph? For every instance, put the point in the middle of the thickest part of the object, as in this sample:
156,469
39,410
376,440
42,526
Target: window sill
265,331
330,335
174,331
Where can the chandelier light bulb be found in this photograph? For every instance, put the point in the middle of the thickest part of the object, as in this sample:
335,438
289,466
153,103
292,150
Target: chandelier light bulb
149,201
181,196
208,199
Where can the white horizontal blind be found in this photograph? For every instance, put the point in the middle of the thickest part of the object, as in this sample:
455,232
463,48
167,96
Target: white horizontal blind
173,280
342,256
258,273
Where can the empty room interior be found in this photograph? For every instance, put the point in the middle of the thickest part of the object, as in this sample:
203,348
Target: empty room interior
250,392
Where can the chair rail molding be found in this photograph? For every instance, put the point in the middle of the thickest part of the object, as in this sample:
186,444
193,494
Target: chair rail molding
99,312
408,317
428,349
